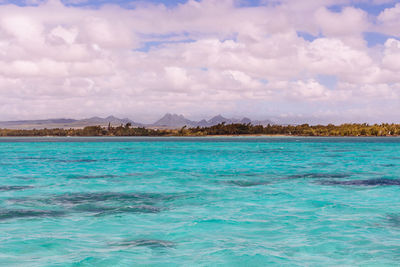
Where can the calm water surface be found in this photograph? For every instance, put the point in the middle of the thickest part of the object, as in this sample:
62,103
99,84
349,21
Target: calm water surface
199,201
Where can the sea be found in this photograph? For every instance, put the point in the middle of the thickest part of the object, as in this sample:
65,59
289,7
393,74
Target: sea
209,201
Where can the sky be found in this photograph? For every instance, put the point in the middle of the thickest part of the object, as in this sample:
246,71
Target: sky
310,60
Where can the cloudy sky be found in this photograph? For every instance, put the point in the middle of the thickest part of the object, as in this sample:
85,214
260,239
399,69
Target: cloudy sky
329,60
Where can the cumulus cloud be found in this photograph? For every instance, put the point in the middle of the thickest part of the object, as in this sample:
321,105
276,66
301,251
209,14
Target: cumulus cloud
197,58
391,59
389,20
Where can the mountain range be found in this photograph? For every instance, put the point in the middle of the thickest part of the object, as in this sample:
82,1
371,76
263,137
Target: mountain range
174,120
167,121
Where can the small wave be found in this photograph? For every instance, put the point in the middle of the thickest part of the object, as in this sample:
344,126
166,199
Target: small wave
106,210
14,187
15,214
248,174
370,182
321,164
319,175
93,176
76,160
75,198
36,158
121,199
242,183
151,243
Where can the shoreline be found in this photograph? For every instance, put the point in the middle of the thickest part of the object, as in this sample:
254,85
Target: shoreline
207,136
219,131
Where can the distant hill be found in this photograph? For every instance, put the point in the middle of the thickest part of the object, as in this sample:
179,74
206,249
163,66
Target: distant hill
176,121
39,122
167,121
218,119
110,119
173,120
66,123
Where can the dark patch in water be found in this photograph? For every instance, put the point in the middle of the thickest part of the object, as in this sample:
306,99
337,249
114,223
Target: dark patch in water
333,155
102,176
151,243
76,160
36,158
241,174
388,165
321,164
13,214
375,150
394,220
109,197
93,176
342,150
105,210
14,187
246,183
79,198
102,203
319,175
370,182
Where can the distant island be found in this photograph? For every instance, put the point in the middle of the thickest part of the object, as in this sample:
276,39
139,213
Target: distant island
220,129
168,121
178,125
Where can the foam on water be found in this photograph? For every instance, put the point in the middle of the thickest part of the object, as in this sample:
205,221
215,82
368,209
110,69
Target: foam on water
199,201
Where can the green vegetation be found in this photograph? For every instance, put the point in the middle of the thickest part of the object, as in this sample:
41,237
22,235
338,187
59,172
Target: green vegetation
220,129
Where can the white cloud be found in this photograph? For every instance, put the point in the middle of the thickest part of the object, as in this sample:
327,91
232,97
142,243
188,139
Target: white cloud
389,20
66,35
350,21
208,57
309,89
391,59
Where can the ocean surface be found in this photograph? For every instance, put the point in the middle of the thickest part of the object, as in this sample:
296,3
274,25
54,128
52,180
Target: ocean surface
236,201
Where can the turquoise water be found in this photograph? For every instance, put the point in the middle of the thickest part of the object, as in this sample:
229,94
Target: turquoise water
199,201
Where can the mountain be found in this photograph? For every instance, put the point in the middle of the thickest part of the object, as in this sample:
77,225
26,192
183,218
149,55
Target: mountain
245,120
202,123
176,121
110,119
217,120
173,120
167,121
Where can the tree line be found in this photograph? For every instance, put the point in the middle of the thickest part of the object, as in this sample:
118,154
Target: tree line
354,129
